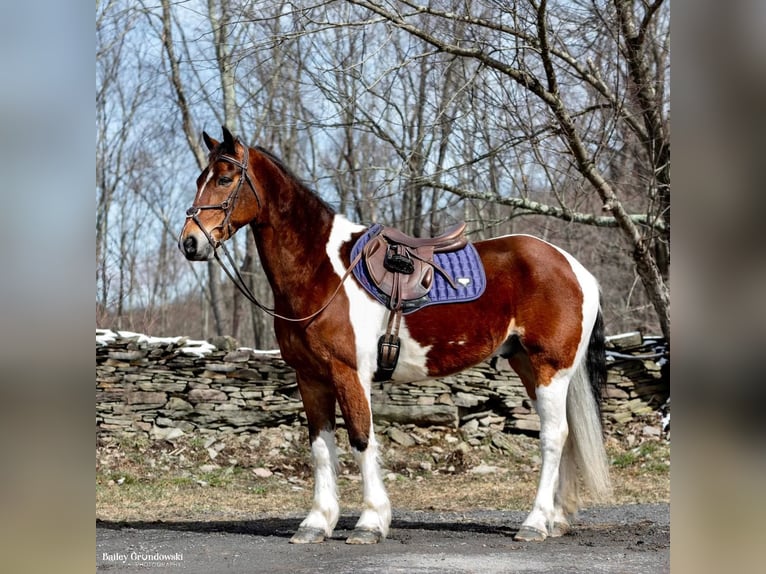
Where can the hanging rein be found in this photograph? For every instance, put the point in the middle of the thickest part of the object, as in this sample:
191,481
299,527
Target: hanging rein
227,206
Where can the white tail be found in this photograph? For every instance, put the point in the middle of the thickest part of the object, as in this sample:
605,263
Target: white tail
585,440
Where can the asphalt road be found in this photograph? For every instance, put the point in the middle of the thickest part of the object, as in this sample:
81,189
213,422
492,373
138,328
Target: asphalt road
624,539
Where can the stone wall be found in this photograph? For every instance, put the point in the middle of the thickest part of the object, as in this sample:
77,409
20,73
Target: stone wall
167,386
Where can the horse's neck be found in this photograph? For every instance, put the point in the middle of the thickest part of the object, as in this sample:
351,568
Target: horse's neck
292,246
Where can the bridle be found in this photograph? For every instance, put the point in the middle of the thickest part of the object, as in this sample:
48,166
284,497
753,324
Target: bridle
227,206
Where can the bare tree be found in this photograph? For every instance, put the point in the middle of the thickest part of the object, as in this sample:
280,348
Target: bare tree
551,64
521,116
218,16
118,160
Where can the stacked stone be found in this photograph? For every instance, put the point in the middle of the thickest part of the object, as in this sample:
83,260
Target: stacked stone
150,386
504,393
425,403
170,386
637,376
483,393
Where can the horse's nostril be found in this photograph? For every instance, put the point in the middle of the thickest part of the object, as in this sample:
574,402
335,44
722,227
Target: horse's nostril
190,245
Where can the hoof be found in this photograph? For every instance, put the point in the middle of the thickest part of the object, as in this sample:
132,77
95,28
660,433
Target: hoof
364,536
530,534
559,529
308,536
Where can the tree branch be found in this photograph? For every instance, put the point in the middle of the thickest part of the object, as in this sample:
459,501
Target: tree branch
544,209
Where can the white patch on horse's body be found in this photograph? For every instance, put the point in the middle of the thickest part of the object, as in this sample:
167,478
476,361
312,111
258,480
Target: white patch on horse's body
366,315
412,357
368,319
590,301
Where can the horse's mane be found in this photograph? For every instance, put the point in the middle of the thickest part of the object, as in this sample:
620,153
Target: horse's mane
291,175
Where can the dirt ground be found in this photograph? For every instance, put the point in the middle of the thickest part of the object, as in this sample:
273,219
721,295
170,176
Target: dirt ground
629,539
212,503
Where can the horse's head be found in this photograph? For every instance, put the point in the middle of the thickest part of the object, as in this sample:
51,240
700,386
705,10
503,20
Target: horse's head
226,199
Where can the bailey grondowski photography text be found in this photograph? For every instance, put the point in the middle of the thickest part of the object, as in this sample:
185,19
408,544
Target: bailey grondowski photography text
143,558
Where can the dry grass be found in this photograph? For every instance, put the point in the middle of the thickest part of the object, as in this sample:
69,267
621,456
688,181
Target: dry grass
139,480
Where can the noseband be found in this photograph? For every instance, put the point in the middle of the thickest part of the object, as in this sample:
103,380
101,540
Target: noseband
227,206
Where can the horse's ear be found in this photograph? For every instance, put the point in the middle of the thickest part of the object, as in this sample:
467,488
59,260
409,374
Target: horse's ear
209,142
228,141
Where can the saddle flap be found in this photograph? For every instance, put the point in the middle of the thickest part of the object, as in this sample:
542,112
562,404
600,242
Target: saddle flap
388,268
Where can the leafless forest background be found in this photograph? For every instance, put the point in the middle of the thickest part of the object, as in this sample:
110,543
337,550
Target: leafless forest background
526,116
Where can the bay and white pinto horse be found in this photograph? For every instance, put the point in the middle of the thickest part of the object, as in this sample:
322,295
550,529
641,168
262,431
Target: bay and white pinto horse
540,310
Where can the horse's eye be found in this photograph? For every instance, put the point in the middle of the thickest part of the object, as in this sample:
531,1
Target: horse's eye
224,180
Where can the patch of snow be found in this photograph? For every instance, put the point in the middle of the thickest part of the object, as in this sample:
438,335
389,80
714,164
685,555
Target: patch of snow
191,346
199,348
105,336
271,353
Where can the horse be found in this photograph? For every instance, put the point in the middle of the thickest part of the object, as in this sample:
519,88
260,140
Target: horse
540,310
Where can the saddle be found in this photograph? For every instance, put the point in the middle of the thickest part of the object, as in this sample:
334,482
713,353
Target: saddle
403,268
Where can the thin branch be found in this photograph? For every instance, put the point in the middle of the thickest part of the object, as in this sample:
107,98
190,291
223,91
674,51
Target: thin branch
544,209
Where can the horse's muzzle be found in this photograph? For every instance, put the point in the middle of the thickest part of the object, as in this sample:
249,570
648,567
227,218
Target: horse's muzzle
194,249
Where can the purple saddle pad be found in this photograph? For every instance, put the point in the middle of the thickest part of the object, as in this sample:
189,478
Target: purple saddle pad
464,267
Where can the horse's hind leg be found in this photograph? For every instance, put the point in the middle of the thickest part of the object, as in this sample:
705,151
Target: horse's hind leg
566,500
550,403
319,404
354,401
557,444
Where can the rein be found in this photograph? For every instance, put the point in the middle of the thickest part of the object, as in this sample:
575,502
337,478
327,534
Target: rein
227,206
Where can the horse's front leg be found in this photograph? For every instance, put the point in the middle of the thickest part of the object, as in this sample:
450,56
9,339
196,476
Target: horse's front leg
374,522
319,403
354,401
